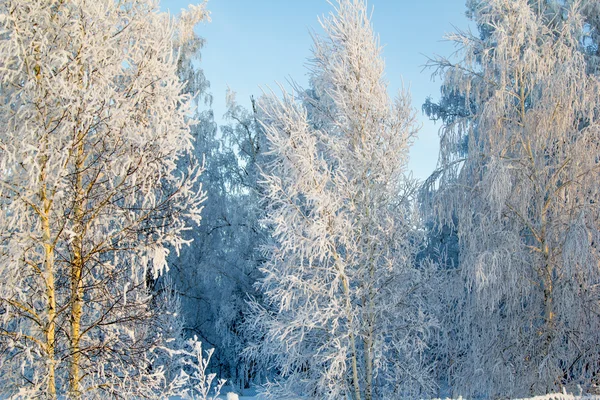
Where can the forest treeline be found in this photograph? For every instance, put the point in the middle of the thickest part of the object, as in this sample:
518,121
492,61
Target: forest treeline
292,240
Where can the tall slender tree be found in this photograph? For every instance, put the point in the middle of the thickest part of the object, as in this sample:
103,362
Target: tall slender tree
342,315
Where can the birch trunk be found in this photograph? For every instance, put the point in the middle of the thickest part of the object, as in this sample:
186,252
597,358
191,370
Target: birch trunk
77,271
50,329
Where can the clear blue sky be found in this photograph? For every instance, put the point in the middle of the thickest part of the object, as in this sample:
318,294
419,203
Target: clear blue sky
255,43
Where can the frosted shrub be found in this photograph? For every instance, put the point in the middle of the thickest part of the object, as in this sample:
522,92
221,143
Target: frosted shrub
194,380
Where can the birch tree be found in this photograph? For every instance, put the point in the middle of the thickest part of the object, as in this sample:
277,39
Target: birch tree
523,200
342,317
93,127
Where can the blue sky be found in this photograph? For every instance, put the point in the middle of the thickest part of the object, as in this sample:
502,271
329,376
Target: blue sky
255,43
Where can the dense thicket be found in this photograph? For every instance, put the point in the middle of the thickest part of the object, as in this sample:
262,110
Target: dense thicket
215,276
316,267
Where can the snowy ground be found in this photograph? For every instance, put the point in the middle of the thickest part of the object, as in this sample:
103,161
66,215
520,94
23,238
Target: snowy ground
252,395
249,394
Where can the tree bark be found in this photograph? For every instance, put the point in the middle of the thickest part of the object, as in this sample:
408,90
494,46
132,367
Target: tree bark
50,329
353,356
76,276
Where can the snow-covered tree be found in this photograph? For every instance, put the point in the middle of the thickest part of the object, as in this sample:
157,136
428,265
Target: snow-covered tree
518,183
91,202
215,276
342,316
240,236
